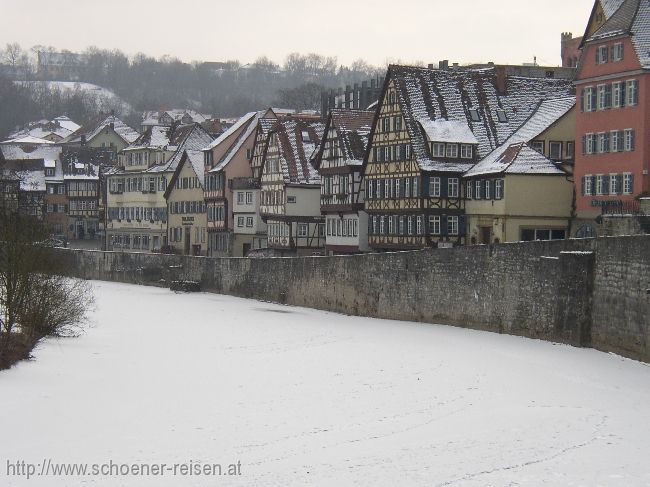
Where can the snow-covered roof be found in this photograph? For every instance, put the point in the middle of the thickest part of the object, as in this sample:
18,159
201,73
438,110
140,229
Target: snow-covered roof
511,158
154,117
295,152
631,18
610,6
353,130
49,163
442,130
27,139
94,128
155,137
232,130
187,138
471,98
30,151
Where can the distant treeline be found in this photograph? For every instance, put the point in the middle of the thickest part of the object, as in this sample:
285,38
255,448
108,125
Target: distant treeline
225,89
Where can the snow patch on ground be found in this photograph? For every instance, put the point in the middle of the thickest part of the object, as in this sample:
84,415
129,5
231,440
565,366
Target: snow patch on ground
303,397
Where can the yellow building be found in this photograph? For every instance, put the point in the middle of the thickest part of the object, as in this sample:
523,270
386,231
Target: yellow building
524,189
106,132
187,220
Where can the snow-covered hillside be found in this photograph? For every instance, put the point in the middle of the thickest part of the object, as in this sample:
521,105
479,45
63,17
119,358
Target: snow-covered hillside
307,398
105,99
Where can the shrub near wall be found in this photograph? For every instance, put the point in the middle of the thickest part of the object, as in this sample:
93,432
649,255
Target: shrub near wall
582,292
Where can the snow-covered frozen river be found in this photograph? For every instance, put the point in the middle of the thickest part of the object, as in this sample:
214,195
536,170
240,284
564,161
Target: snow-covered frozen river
308,398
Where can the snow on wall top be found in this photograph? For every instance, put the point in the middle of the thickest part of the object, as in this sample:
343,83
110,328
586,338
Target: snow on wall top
470,97
521,160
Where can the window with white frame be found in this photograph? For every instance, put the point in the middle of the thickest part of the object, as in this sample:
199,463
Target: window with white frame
588,185
418,225
466,151
452,225
453,187
629,140
617,52
438,149
603,142
409,225
249,197
498,189
382,225
240,221
555,150
478,186
632,92
486,191
618,94
434,187
602,54
613,184
452,150
589,143
628,183
538,145
600,184
249,221
469,190
434,225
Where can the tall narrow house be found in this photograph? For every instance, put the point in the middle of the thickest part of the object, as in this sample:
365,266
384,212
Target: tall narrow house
613,84
431,127
290,198
339,161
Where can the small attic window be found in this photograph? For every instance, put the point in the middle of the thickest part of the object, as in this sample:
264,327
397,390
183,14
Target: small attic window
501,115
305,136
473,112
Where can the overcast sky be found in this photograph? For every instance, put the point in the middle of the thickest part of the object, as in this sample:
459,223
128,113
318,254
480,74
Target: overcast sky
503,31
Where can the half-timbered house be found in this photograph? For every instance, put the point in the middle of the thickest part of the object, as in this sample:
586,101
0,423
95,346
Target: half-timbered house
339,161
431,126
290,197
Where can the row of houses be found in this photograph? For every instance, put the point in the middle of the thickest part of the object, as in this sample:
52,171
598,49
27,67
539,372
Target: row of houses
445,157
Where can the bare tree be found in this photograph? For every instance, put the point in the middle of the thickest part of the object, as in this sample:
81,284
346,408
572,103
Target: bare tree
36,299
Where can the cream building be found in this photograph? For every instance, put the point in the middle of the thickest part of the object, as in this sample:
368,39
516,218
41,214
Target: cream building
524,189
187,218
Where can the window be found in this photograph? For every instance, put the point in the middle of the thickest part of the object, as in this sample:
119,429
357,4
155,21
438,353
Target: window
602,54
452,150
589,143
434,187
391,224
604,97
397,123
249,221
466,151
555,150
628,183
469,190
486,190
601,185
614,184
240,197
629,140
453,188
409,224
570,150
473,113
498,189
618,94
438,149
587,185
603,142
452,225
589,99
240,221
617,52
414,188
434,225
478,187
291,199
538,145
418,226
632,92
501,115
381,225
528,235
249,197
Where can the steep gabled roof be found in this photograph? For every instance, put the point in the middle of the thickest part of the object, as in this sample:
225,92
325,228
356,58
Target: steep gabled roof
353,130
195,159
187,138
511,157
241,123
467,98
294,152
95,127
631,18
246,129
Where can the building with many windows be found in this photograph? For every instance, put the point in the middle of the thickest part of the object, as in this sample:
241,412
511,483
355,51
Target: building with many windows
136,208
523,190
339,161
430,128
613,84
108,133
290,195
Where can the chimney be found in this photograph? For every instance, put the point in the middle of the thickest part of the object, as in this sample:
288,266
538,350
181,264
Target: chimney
501,80
430,66
456,65
83,140
443,64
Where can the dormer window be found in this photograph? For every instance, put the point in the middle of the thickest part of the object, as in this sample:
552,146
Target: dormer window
438,149
452,150
49,172
501,115
466,151
473,113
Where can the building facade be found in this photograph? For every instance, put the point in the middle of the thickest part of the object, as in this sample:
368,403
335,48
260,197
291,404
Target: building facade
613,84
290,195
339,161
